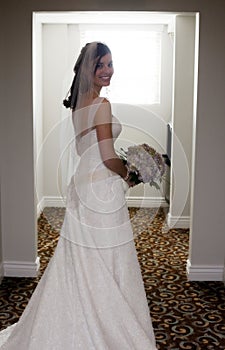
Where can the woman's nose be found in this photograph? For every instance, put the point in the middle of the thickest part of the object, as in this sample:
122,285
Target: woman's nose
107,69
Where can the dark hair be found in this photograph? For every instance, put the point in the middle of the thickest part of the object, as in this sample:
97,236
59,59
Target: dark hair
101,50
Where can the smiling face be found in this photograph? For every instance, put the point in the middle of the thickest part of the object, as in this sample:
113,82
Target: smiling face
104,72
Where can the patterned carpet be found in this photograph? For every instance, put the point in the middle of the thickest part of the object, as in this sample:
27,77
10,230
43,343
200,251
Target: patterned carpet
185,315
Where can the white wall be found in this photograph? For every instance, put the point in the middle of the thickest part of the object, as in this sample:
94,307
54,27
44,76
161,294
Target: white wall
182,121
55,59
38,115
208,211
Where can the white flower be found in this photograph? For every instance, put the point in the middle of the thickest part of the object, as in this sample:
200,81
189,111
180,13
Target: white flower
147,162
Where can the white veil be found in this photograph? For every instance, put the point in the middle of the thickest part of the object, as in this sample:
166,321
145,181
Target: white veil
82,83
96,214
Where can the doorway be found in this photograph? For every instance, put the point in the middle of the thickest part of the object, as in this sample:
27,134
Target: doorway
79,27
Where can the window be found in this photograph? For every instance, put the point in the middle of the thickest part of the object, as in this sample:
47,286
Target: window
136,55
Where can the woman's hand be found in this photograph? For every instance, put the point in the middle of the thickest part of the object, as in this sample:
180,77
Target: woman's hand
131,183
132,178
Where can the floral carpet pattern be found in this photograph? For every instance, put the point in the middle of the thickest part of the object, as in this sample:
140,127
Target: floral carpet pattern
185,315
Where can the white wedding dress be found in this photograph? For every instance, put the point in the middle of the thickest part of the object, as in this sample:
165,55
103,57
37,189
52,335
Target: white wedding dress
91,296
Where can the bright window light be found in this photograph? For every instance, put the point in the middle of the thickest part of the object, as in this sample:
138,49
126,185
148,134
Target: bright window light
137,63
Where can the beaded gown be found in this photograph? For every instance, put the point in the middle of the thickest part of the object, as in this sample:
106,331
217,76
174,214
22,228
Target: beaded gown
91,296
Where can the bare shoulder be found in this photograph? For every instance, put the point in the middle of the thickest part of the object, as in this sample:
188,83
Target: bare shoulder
102,101
104,104
103,113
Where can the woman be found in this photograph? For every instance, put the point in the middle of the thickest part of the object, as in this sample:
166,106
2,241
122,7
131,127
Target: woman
91,295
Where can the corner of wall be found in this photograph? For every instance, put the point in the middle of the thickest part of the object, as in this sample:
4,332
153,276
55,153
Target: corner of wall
204,272
21,268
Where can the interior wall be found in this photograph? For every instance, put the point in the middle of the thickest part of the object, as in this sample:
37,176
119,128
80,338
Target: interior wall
37,117
55,60
18,220
164,109
207,240
19,243
182,121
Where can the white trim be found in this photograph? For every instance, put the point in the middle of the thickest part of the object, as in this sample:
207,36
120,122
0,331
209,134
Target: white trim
112,17
50,201
21,268
54,201
145,202
40,206
204,272
178,221
1,272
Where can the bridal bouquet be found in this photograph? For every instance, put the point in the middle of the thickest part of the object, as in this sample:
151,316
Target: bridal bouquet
144,164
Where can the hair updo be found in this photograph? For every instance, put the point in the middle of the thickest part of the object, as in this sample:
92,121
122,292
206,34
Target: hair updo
100,51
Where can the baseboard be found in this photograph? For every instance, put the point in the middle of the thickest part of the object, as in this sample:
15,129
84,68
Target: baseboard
178,221
204,272
21,268
50,201
145,202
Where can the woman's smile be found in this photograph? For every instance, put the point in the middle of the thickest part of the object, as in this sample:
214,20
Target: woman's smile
104,71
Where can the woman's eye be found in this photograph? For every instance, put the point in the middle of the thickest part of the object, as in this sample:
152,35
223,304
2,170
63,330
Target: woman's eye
99,65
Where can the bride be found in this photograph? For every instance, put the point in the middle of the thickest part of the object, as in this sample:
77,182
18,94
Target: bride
91,295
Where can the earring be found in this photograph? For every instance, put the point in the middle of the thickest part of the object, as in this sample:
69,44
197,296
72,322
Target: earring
107,92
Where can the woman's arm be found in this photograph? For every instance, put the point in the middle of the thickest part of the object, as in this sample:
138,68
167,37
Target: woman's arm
103,125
